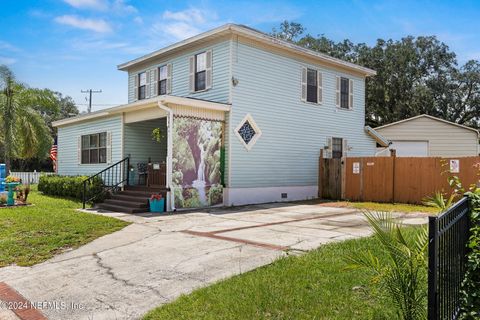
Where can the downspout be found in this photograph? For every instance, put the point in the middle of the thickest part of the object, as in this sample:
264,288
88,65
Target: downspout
169,154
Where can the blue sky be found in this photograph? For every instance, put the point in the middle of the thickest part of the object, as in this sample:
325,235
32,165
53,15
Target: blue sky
72,45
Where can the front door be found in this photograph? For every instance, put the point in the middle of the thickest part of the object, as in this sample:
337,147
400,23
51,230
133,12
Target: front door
156,174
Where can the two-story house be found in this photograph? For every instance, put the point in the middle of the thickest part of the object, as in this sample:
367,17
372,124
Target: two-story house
231,116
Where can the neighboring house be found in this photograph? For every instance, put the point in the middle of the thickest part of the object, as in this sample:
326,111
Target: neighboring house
243,115
427,136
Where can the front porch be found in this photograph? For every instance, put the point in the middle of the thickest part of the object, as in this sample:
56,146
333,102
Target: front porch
173,146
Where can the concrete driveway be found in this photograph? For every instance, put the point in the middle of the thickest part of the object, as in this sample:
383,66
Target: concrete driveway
157,258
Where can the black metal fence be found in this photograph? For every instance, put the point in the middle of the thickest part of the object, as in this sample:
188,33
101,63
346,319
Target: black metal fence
448,237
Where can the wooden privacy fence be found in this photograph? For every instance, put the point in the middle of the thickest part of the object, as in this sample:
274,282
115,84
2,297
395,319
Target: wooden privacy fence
393,179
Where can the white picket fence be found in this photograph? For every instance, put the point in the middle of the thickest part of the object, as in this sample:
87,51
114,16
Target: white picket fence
30,177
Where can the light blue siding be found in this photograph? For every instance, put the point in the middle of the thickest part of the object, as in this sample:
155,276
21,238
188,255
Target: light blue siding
138,143
219,92
68,163
293,132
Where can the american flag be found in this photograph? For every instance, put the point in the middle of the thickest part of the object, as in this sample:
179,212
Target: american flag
53,155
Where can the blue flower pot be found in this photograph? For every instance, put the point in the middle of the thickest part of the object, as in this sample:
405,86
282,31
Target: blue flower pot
157,205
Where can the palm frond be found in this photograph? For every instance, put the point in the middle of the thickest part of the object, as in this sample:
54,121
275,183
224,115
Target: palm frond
402,267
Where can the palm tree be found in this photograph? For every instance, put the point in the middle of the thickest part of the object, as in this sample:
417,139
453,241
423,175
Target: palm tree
25,133
402,270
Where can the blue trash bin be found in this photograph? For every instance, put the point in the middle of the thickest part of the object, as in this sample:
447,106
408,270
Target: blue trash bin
157,205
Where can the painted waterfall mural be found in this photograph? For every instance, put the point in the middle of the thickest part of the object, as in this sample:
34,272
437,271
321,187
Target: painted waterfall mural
196,162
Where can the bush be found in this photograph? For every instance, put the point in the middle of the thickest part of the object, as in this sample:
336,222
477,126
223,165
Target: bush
471,283
70,186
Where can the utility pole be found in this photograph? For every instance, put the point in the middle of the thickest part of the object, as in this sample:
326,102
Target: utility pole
90,91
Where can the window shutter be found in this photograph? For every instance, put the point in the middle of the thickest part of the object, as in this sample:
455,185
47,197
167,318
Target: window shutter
344,147
155,82
147,86
328,154
109,147
337,92
169,78
304,84
135,87
320,87
192,74
208,71
79,150
350,94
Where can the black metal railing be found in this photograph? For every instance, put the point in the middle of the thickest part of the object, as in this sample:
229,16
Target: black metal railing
108,180
447,250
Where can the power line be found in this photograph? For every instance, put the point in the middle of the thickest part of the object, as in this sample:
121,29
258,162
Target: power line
99,104
90,91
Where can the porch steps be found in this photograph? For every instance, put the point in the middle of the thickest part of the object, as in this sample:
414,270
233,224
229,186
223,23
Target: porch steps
115,208
133,199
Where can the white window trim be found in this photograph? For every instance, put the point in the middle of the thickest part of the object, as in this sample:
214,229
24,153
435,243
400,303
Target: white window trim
255,127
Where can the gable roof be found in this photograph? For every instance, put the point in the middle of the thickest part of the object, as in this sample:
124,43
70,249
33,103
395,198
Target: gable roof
429,117
236,29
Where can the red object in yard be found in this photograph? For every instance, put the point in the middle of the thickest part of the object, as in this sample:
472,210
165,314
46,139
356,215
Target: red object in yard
156,196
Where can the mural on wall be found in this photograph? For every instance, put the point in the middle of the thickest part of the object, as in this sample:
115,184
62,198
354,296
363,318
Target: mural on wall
196,162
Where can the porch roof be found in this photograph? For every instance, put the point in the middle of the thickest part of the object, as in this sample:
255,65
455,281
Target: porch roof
143,104
381,140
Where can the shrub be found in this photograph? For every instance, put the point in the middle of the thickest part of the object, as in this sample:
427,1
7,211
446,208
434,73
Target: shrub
70,186
471,284
403,275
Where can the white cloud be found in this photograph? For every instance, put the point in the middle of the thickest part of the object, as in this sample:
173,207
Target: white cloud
88,4
138,20
116,6
96,25
119,6
7,60
8,47
178,30
178,25
191,15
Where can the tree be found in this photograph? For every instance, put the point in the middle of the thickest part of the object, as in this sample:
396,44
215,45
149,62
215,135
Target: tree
63,107
289,31
25,133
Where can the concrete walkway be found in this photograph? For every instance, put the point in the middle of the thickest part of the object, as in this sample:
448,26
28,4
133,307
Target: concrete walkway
156,258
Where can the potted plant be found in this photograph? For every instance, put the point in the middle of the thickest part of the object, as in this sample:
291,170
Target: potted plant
157,203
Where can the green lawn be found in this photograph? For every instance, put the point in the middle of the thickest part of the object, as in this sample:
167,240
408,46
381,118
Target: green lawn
316,285
399,207
29,235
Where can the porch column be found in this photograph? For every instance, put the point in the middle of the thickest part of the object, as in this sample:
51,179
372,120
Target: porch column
170,195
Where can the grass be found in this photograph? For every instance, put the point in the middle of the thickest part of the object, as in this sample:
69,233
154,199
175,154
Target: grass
399,207
29,235
317,285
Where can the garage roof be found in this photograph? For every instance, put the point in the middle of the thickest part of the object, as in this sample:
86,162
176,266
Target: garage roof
430,117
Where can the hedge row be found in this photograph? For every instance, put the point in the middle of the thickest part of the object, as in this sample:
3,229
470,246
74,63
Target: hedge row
470,293
70,186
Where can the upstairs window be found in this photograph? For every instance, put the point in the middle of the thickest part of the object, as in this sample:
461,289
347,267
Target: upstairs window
200,71
312,86
344,93
142,85
94,148
162,80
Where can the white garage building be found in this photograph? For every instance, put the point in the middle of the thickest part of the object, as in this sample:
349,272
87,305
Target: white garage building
427,136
